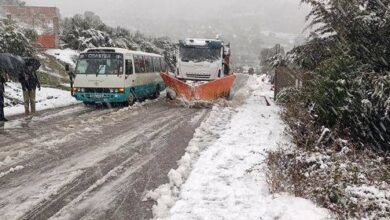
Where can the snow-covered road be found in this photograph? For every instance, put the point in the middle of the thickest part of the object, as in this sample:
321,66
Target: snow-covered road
80,162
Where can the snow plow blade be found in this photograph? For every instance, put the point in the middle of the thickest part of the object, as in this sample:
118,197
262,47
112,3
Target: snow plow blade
209,91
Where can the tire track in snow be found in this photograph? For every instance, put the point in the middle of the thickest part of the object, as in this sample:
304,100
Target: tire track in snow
52,133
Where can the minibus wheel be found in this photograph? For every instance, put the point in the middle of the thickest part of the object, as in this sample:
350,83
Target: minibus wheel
156,93
88,104
131,99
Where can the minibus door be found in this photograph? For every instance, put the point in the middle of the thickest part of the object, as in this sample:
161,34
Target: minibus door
129,73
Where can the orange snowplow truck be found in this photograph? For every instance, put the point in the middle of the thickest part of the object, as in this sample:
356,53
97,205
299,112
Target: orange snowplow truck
200,60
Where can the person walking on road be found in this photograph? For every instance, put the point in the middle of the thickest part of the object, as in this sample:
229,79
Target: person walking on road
30,83
3,80
72,76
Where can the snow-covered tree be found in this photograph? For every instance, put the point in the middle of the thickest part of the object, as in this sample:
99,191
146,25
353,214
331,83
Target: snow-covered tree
84,31
12,2
169,50
362,26
87,31
13,39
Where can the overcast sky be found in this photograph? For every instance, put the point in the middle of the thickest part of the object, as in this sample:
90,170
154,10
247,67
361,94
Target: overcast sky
159,16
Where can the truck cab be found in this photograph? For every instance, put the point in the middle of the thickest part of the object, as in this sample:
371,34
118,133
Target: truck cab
201,59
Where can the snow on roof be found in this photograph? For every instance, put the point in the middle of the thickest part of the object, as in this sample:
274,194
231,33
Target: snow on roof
122,50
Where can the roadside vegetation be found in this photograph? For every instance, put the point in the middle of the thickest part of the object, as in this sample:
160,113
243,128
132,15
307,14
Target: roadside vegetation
339,121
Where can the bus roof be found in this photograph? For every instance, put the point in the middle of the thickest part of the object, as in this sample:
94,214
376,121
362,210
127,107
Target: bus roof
119,50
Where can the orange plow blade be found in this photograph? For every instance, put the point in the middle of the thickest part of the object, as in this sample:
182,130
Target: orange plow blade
206,92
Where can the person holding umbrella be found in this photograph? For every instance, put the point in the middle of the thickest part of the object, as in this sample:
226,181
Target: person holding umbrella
3,80
11,66
30,83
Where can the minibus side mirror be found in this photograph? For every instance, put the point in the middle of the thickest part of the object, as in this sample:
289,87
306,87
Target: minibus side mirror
67,67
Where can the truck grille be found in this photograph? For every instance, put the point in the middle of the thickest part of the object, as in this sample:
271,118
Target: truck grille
197,76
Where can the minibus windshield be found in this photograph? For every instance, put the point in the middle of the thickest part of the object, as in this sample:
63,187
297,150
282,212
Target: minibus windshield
100,64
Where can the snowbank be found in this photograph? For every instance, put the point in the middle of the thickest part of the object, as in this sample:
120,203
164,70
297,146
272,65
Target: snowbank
66,55
47,98
222,175
204,136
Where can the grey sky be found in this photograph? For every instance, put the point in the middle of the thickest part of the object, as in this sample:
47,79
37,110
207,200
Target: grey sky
246,24
167,17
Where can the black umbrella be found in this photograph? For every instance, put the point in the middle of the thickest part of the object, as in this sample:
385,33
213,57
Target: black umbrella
13,65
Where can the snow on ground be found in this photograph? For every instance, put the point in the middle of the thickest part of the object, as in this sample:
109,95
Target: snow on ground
65,55
47,98
222,175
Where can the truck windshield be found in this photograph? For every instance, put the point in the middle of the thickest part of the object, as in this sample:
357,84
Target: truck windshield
100,64
199,54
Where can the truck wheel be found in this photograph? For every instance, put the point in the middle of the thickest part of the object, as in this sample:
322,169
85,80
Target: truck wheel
131,99
229,95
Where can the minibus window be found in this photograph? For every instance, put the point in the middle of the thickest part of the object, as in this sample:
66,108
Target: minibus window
156,64
139,64
129,67
148,64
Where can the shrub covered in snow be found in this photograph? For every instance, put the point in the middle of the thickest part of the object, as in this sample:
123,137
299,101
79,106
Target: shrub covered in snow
349,183
327,168
287,95
349,58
